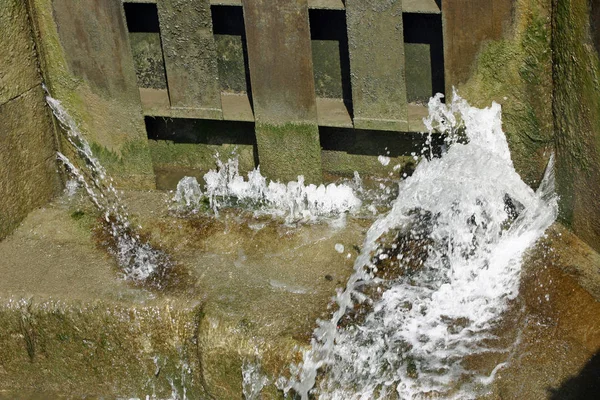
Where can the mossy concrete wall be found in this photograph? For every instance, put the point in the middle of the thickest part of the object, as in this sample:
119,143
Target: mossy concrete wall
101,349
283,91
289,150
28,169
542,64
515,70
87,65
576,75
148,59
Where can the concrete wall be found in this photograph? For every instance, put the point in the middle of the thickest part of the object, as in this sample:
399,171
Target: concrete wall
513,67
87,64
538,58
28,170
540,61
576,72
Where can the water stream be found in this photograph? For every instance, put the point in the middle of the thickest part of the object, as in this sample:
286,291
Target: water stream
137,258
452,245
434,275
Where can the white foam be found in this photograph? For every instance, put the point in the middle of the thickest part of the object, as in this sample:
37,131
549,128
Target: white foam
411,342
294,200
383,160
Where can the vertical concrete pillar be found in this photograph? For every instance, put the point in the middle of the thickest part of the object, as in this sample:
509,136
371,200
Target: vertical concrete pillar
283,92
190,56
376,45
467,24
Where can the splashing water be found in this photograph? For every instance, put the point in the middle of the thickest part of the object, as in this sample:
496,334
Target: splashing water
294,200
137,258
253,380
459,229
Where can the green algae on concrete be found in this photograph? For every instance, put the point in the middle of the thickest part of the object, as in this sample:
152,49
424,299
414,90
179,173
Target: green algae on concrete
230,40
99,89
27,158
170,155
232,66
516,72
329,43
70,325
18,61
576,108
419,85
328,70
99,349
148,59
286,151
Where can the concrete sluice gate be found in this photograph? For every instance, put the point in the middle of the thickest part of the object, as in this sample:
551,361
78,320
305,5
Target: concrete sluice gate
267,199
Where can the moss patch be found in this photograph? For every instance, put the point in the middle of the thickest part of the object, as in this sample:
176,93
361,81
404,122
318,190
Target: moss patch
517,73
288,150
106,348
576,108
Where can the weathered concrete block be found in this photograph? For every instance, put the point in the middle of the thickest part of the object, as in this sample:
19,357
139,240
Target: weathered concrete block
279,54
95,43
99,349
283,89
28,173
286,151
18,64
376,46
87,64
190,55
148,60
467,25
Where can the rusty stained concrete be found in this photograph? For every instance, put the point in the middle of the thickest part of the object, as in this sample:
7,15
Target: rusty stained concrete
281,68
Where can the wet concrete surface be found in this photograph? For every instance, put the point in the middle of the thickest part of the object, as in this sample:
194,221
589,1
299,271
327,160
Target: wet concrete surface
260,285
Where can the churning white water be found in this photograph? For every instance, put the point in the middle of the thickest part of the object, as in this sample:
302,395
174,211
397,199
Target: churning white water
473,218
292,201
136,257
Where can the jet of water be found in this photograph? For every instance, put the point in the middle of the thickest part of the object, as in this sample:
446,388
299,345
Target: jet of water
292,201
137,258
455,238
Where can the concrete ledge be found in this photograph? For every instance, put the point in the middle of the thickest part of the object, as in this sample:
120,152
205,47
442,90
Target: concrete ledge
70,326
